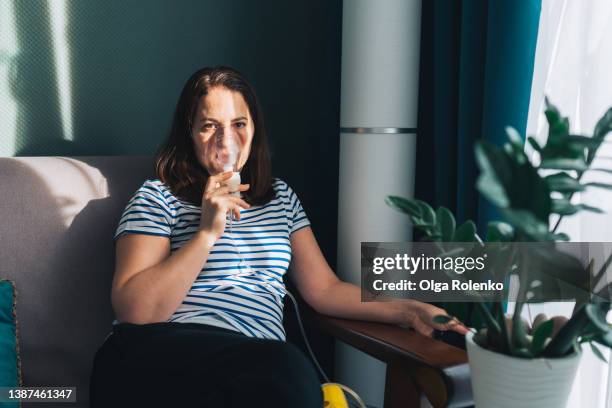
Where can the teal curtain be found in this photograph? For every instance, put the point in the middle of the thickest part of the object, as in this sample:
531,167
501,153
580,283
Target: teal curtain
477,62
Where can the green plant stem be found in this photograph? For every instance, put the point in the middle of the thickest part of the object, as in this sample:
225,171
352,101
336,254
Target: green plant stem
564,340
506,345
600,273
519,335
490,321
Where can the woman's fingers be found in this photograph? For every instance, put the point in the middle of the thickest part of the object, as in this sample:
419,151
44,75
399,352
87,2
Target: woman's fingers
427,329
429,312
229,202
239,201
212,182
422,328
226,190
219,191
457,326
234,205
454,324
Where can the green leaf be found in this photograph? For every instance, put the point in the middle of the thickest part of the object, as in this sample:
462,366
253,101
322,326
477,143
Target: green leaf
597,317
446,223
466,232
508,181
528,224
584,141
562,206
514,137
534,143
427,213
590,208
548,105
560,236
404,205
564,164
554,265
563,183
490,183
498,231
558,126
515,146
431,237
599,185
598,352
562,150
603,126
543,332
605,339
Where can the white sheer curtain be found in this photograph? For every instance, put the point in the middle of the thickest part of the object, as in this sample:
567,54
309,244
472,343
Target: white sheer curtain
573,67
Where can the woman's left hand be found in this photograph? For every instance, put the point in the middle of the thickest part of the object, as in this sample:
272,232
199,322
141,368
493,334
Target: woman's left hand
420,316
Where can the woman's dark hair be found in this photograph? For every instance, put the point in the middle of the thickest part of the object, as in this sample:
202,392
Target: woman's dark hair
176,163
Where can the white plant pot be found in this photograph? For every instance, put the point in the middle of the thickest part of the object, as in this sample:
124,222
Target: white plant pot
501,381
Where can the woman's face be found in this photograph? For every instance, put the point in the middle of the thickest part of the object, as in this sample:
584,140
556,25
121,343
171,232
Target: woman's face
222,114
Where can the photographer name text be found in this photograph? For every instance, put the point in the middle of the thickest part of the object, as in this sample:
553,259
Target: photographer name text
405,285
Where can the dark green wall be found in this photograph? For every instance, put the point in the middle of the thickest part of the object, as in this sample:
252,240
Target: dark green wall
129,60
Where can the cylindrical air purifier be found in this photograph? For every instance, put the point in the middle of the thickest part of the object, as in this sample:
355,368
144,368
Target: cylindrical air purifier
378,117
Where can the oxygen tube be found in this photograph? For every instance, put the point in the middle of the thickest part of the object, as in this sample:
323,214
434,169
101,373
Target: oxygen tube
334,394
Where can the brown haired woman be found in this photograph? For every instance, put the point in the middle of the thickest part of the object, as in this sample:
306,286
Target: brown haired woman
198,290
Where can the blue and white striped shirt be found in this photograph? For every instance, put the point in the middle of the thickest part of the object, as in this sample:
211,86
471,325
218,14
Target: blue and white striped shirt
241,285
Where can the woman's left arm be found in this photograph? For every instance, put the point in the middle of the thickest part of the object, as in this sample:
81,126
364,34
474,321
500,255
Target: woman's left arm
323,291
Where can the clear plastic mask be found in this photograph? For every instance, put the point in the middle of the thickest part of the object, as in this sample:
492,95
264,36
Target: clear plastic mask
227,152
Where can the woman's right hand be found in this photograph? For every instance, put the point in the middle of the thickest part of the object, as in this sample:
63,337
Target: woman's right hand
217,201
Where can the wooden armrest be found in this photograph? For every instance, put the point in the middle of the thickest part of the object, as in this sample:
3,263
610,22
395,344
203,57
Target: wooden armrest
390,343
415,363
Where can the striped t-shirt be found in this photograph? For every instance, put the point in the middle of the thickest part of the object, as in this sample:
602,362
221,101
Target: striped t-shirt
241,285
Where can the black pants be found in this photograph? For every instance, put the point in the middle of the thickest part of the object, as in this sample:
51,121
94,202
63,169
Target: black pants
195,365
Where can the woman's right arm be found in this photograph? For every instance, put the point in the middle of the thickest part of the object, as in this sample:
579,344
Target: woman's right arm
149,282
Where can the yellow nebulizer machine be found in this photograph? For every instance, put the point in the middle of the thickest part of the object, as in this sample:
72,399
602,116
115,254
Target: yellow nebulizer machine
340,396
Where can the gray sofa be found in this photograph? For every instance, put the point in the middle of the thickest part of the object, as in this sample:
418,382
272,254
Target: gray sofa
58,218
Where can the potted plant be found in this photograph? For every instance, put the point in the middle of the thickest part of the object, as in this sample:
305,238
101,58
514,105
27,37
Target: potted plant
514,363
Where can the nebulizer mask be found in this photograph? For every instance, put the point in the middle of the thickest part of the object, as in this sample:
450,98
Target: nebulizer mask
227,156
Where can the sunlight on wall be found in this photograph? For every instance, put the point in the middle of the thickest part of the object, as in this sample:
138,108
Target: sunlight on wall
57,15
8,106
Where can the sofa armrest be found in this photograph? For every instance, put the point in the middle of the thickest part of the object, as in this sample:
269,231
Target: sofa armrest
415,363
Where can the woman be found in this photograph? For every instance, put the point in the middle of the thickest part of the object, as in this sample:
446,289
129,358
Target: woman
200,301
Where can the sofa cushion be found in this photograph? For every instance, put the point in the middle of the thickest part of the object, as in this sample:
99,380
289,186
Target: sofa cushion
58,218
